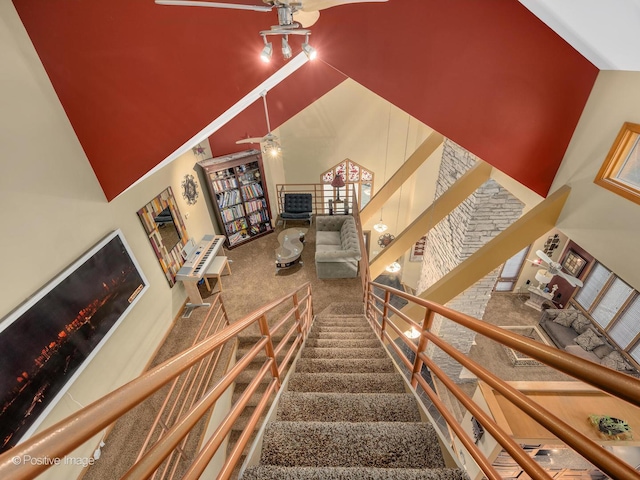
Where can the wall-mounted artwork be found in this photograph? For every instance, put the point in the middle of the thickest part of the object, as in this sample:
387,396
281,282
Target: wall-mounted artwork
573,263
417,251
167,234
50,339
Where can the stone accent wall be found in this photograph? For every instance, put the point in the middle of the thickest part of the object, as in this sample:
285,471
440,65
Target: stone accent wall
481,217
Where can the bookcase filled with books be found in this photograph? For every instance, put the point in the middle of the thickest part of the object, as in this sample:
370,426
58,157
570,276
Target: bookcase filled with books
238,195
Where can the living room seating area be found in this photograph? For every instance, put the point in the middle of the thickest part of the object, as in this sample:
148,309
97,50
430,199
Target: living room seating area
337,246
574,333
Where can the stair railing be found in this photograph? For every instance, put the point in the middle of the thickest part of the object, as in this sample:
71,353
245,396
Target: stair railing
62,438
384,318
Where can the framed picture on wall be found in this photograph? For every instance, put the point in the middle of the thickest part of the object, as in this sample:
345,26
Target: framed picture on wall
417,251
573,263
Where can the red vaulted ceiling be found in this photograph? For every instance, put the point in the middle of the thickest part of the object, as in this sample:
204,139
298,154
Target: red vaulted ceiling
137,80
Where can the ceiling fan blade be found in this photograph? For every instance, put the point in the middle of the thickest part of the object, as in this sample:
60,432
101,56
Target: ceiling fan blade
189,3
544,257
575,282
306,19
250,140
313,5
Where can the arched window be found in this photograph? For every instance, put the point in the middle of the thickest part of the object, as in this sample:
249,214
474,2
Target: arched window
357,179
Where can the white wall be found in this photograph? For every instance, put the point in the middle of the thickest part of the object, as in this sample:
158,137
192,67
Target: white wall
54,210
603,223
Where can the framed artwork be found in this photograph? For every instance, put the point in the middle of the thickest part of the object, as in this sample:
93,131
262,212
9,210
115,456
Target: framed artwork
620,172
167,234
417,250
51,338
573,263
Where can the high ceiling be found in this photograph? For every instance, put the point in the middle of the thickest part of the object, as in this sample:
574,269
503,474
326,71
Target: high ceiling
138,80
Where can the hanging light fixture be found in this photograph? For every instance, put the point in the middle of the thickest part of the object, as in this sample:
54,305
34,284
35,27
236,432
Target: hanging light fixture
395,267
380,226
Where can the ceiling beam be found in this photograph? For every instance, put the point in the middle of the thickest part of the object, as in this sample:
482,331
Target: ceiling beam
440,208
408,168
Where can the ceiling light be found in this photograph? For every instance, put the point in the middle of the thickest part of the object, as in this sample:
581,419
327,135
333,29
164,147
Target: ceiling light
311,52
265,55
286,48
394,267
380,226
413,333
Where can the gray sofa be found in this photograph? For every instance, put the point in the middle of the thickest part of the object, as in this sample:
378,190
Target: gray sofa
574,333
337,246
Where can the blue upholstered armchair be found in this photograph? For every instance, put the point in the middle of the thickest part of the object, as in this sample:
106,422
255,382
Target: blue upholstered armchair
297,206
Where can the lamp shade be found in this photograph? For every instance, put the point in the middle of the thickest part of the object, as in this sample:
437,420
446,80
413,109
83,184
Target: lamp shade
338,181
544,277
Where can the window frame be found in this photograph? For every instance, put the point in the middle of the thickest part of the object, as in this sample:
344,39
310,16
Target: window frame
626,142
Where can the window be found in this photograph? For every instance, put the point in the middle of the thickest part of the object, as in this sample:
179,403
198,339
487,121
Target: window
614,306
510,271
620,171
353,174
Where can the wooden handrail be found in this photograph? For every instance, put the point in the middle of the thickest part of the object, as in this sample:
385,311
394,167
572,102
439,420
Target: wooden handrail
68,434
617,384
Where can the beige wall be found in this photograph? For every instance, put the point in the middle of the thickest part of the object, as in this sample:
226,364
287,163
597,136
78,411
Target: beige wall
54,210
603,223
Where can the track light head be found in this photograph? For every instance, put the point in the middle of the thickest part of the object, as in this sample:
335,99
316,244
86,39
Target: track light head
286,48
308,49
265,55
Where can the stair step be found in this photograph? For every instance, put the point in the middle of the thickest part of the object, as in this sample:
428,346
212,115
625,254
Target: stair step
274,472
345,365
325,352
341,407
343,444
247,377
341,328
342,321
348,343
347,382
343,335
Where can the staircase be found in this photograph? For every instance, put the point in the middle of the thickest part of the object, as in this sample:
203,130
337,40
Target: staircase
345,414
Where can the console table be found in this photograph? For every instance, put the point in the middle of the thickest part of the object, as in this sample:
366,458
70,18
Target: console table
537,298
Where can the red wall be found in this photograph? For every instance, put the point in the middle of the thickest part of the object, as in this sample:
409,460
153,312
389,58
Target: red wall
137,80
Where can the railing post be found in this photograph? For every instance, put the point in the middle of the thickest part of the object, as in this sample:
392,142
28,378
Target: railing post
422,345
385,311
264,330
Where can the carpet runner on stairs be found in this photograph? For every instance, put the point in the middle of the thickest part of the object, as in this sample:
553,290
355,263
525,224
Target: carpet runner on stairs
346,414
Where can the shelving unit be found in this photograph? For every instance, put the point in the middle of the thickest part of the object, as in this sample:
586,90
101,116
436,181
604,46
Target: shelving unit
238,195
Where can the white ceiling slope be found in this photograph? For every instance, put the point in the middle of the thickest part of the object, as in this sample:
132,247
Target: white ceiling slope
606,32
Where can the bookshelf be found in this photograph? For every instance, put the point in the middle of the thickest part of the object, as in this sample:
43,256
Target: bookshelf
238,196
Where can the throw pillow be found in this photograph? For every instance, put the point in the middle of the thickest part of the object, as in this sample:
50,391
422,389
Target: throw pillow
581,323
589,340
565,319
616,361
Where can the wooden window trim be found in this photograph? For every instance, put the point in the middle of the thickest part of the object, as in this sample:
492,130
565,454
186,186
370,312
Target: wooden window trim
606,177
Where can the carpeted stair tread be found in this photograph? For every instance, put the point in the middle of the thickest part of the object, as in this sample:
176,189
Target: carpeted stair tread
358,320
327,352
341,407
347,382
344,308
341,328
247,377
274,472
343,335
347,343
345,444
345,365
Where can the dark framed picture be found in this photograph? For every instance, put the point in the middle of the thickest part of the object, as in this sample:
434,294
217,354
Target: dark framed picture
52,337
573,263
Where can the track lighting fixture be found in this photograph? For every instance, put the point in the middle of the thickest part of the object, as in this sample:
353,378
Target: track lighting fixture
287,52
286,48
265,55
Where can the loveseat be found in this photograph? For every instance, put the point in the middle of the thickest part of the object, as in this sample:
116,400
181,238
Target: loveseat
337,246
574,333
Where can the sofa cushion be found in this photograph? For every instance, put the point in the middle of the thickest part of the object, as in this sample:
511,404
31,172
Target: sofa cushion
328,237
581,324
603,350
616,361
561,336
589,340
578,351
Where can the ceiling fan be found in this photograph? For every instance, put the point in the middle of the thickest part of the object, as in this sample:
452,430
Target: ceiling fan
555,268
269,142
291,14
